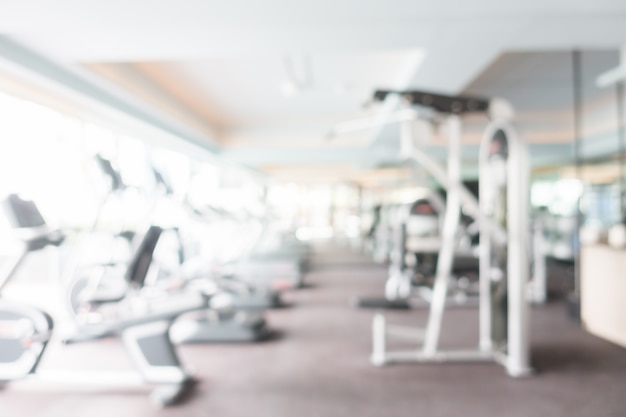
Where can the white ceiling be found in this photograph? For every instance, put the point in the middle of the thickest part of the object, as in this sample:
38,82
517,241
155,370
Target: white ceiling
122,30
217,67
247,91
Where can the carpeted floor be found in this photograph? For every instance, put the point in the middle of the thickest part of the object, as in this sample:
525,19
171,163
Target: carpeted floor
318,366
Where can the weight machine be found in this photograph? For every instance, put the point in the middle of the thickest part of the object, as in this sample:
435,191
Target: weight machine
503,218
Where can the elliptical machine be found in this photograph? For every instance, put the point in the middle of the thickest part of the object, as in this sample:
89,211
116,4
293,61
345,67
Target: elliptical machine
89,296
246,295
26,331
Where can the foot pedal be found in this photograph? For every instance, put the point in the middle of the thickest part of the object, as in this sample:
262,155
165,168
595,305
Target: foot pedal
381,303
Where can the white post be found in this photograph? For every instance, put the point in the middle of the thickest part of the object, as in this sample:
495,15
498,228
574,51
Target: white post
539,280
518,355
450,227
484,306
378,340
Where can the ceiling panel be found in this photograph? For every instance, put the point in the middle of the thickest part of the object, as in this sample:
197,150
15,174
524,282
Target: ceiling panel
247,91
220,68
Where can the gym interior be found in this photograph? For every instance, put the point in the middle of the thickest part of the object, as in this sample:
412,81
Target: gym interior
305,208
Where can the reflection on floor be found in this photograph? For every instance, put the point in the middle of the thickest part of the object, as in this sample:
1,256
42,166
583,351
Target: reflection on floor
318,366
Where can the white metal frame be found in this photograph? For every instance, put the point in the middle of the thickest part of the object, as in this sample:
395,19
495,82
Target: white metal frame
517,357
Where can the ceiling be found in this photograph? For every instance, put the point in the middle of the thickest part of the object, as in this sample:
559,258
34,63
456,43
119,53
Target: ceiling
540,86
264,82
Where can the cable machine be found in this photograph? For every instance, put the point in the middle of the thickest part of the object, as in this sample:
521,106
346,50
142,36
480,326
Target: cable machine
503,218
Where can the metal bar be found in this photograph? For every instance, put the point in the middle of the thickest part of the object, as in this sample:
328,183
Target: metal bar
11,266
379,335
621,137
539,276
405,332
518,340
578,113
439,356
87,380
484,302
450,227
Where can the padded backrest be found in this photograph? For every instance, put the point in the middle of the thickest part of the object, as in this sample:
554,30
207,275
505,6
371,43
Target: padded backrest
22,213
142,257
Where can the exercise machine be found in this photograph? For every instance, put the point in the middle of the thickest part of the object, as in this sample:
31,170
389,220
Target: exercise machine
246,294
414,248
105,287
503,218
25,331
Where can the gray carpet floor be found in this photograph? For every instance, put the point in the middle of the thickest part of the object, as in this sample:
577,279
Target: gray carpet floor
317,365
